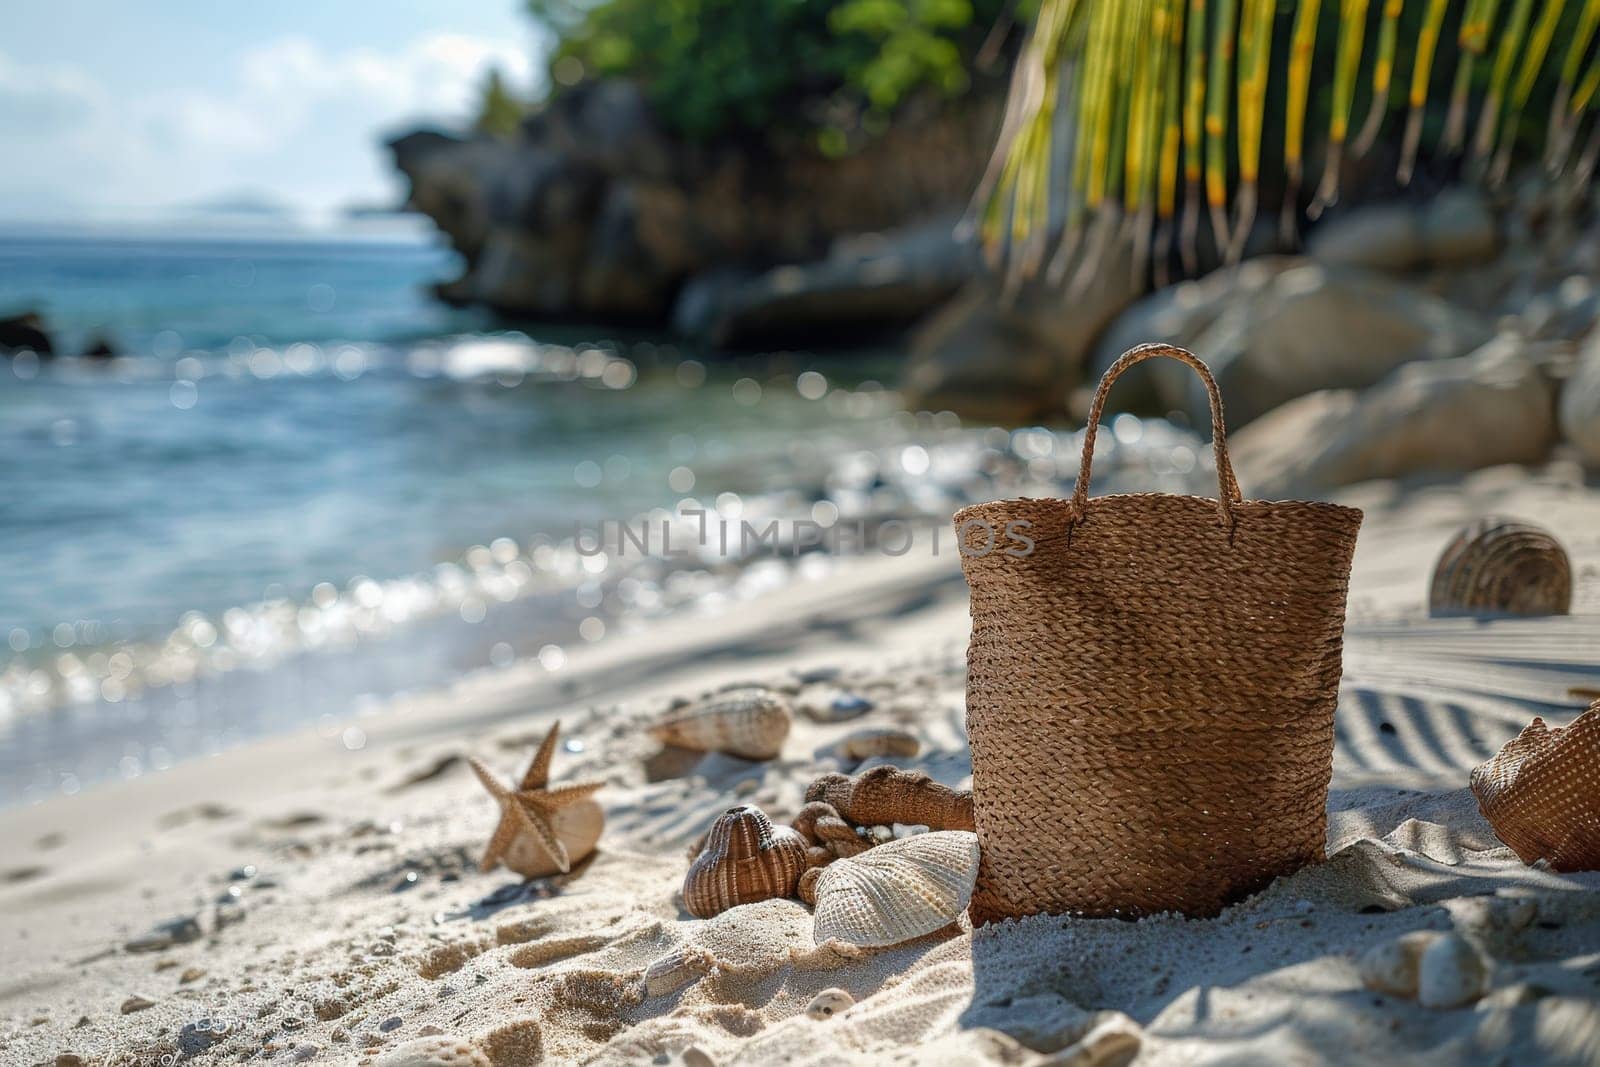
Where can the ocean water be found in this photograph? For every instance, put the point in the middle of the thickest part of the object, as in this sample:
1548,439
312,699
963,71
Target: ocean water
304,485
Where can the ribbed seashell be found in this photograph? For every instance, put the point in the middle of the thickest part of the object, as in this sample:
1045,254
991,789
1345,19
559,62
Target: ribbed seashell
1541,793
746,859
1451,974
886,795
577,826
897,891
441,1051
748,723
880,741
1501,566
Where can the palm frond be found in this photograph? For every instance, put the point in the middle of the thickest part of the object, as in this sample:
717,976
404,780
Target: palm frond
1170,106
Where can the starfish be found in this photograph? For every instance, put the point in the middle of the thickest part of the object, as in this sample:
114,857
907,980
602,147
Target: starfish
531,806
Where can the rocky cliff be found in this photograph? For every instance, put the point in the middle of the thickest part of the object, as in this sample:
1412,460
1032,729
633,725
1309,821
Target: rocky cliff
594,211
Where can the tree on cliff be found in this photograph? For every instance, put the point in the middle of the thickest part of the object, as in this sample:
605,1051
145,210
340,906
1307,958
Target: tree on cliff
713,68
499,111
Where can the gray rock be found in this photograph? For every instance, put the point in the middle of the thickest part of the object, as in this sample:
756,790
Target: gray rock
870,280
25,331
1176,315
1454,228
1014,361
1314,327
1580,405
1494,406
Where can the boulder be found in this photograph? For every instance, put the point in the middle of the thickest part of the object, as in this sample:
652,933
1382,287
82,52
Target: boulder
1013,360
1494,406
1176,315
1580,404
1314,327
25,331
872,281
1452,229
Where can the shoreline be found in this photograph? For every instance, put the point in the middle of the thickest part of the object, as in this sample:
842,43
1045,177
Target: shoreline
362,876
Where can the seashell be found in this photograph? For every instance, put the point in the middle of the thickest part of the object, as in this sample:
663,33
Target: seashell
886,795
880,741
1501,566
441,1051
746,859
828,1003
1541,793
675,970
1451,974
748,723
1391,967
897,891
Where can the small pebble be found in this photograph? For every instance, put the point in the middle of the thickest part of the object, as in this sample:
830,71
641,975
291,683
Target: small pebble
828,1003
393,1022
1451,974
136,1003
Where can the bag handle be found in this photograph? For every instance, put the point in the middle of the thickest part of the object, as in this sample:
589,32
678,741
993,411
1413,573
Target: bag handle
1228,486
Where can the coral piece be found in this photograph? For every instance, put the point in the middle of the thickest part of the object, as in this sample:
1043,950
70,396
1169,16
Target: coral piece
543,829
880,741
897,891
886,795
746,859
748,723
1541,793
1500,566
823,828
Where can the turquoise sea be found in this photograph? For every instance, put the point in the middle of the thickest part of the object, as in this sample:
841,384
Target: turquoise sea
304,484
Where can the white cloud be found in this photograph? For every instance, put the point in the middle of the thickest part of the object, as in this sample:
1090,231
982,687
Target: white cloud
296,119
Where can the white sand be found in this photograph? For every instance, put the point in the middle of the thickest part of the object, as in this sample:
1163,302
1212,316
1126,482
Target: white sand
329,952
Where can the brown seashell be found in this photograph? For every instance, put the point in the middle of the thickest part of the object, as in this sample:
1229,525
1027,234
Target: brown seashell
746,859
1501,566
1541,793
887,795
748,723
880,741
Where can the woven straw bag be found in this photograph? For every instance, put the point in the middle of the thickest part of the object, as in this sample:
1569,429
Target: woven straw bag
1150,689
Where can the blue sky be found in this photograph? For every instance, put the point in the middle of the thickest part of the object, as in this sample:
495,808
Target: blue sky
121,110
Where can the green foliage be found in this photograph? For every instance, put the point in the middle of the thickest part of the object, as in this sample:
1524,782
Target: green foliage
713,67
1207,102
499,111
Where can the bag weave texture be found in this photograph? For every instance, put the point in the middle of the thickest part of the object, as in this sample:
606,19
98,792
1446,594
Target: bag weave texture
1151,690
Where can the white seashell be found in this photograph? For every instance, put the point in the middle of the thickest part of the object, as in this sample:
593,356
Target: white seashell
908,829
882,834
828,1003
897,891
1451,974
441,1051
1392,966
748,723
